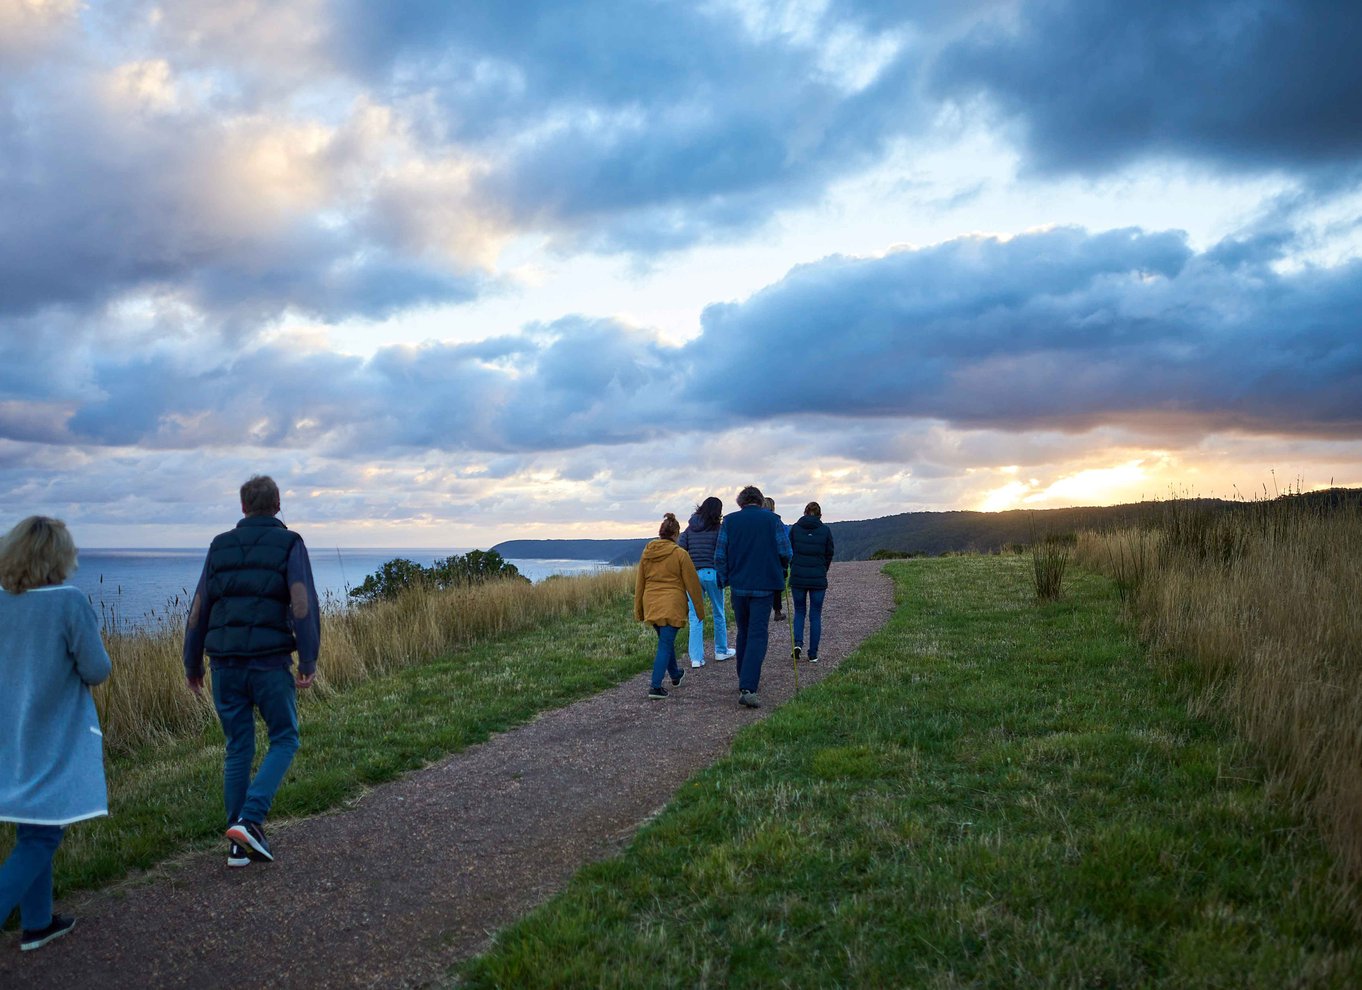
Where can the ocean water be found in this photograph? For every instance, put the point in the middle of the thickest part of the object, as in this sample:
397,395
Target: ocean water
137,588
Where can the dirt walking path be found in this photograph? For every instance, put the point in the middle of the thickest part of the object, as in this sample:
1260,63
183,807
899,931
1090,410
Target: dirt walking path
418,874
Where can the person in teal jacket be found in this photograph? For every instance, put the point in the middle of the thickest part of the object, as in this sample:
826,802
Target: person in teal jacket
51,746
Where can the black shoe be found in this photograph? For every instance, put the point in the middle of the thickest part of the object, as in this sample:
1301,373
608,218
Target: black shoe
748,699
30,939
251,837
813,659
678,678
237,856
796,652
780,616
657,693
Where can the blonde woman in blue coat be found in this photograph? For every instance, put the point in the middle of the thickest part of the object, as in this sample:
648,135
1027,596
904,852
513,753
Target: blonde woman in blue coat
51,747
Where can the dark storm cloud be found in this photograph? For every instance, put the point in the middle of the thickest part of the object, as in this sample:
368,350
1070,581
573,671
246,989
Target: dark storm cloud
632,126
1060,330
1242,84
572,383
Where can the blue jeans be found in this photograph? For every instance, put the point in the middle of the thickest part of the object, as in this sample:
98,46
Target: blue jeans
237,694
665,661
709,585
815,602
26,877
753,615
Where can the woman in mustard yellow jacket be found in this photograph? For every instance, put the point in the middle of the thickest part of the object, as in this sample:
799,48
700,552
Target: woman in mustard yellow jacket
666,579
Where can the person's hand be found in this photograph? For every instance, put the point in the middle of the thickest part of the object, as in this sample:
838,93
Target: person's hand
195,684
305,680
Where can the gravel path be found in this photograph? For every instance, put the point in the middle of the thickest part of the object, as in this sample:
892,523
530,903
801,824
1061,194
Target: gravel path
418,874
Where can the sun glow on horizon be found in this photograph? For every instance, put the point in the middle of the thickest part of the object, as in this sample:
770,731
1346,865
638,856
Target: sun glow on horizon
1093,486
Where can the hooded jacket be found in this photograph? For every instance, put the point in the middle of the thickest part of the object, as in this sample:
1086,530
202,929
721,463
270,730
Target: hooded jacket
811,542
666,577
699,540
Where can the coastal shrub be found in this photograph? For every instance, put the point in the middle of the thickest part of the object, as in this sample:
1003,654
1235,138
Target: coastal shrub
399,575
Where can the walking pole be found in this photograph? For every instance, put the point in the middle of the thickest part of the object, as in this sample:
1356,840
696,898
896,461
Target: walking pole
793,659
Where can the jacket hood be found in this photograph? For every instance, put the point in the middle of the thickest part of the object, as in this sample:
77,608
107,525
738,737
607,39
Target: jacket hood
809,522
660,549
697,524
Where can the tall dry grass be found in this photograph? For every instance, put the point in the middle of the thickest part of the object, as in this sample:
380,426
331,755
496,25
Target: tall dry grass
145,700
1267,604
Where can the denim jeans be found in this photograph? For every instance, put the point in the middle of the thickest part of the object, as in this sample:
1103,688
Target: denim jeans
709,585
665,660
815,609
752,614
26,877
237,694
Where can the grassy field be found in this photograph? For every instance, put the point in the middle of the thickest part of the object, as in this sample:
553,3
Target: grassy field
145,700
988,793
1259,613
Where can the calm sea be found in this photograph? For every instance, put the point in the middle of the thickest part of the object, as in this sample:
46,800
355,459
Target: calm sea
131,588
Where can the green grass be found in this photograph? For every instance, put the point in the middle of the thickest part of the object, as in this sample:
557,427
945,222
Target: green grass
167,798
988,793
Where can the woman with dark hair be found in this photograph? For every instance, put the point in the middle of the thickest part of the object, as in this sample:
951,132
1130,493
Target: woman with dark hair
702,533
666,578
51,747
811,542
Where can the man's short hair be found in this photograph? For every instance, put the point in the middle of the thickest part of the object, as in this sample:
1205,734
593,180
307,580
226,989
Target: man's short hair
751,495
260,496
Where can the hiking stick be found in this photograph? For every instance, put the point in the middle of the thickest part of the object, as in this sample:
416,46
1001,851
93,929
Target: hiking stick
793,659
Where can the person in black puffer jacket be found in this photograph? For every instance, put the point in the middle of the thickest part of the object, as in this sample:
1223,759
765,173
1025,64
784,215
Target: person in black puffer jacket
701,534
811,541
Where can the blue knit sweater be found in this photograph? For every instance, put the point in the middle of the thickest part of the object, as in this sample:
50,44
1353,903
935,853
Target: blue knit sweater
51,747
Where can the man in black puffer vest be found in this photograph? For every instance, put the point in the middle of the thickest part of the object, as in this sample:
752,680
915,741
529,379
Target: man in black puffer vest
254,606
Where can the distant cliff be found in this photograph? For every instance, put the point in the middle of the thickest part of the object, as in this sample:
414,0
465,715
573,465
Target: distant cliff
622,552
932,533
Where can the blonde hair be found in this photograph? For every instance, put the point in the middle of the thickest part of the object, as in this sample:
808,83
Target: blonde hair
669,528
37,552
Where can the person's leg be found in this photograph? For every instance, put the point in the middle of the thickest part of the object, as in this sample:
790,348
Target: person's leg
696,646
276,698
667,639
777,604
660,658
757,636
799,596
26,876
816,621
742,612
715,594
231,698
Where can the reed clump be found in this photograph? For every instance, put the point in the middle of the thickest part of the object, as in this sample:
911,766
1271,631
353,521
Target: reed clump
145,700
1265,603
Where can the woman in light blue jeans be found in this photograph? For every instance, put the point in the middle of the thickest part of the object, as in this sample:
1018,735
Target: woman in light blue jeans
699,540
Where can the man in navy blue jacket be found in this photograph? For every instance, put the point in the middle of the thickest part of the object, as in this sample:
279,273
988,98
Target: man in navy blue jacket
751,557
254,607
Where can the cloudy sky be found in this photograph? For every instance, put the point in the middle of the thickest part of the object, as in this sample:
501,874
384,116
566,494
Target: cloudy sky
458,272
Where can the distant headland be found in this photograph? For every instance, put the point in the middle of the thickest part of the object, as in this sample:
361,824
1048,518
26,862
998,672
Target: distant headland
934,533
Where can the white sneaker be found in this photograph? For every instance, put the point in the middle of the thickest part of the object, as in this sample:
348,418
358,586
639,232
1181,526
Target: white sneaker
696,663
727,655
